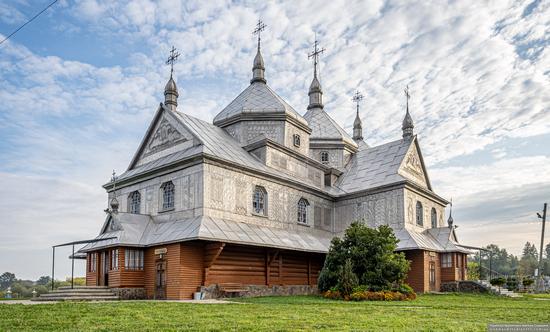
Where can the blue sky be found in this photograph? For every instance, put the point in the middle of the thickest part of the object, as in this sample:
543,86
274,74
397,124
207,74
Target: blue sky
79,85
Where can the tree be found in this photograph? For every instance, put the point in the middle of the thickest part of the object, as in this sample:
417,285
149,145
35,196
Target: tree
44,280
473,271
529,260
6,280
372,254
530,251
501,261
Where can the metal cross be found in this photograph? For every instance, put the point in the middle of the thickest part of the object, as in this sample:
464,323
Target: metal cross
407,95
315,55
260,26
172,59
357,97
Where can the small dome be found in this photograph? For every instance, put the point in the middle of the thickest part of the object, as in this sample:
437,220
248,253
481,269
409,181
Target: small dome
114,204
258,61
315,85
357,122
171,86
407,121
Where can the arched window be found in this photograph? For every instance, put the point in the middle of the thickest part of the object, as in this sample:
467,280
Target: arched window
419,214
134,202
434,218
259,201
324,157
302,211
296,139
168,191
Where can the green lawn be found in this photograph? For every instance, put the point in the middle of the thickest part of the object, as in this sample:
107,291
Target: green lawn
428,312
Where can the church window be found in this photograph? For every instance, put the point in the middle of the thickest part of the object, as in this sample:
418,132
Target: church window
434,218
302,211
134,202
296,139
446,260
114,259
168,191
324,157
133,259
419,214
259,201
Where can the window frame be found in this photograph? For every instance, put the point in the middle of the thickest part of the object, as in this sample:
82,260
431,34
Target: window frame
168,202
434,218
92,267
132,202
322,155
419,214
446,260
259,201
302,211
296,140
114,260
133,260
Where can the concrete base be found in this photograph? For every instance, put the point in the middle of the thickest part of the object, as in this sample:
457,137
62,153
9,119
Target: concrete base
214,292
130,293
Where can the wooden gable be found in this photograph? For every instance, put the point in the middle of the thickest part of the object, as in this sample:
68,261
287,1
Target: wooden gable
413,168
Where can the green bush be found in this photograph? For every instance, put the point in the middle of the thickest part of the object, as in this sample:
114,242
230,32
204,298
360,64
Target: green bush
499,282
528,282
372,253
347,279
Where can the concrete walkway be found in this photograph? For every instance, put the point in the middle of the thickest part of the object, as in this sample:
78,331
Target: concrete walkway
29,302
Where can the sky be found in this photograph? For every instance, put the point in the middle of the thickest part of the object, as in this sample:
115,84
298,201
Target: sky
80,84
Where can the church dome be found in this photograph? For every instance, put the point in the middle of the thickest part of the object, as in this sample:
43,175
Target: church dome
407,121
171,86
315,85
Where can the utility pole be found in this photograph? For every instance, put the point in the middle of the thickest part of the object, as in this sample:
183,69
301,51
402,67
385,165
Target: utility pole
540,285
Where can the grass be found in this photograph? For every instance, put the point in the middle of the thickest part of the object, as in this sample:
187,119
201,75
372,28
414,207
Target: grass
428,313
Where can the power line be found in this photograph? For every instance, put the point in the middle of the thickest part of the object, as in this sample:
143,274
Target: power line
29,21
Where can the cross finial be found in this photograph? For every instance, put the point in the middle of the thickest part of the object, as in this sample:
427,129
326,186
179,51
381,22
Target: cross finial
260,26
357,97
315,55
174,54
408,96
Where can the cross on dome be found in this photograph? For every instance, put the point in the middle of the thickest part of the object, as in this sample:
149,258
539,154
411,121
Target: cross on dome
315,55
260,26
174,54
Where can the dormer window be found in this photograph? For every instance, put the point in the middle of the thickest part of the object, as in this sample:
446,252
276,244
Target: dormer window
324,157
296,139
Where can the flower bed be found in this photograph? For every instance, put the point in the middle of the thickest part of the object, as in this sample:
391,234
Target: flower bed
362,294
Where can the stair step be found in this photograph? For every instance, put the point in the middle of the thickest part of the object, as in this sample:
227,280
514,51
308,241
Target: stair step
84,287
69,294
78,298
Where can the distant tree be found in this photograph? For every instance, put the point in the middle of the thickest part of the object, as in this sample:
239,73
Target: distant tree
501,261
43,280
529,260
6,280
530,251
473,271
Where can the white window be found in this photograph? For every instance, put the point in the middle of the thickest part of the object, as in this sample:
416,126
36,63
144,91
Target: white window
296,139
302,211
134,202
93,262
419,214
434,218
114,259
259,201
167,190
446,260
324,157
133,259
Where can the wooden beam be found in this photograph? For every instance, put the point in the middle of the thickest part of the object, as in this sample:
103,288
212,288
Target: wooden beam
209,259
275,254
267,269
308,270
281,278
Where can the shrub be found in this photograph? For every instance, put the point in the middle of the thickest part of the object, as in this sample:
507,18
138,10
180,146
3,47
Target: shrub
347,279
528,282
500,281
404,289
372,253
511,283
381,296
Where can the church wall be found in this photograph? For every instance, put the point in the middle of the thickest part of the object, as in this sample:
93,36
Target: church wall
384,208
188,194
294,167
411,197
228,195
290,131
338,158
247,132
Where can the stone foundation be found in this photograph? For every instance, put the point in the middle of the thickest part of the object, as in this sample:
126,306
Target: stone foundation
214,292
465,286
130,293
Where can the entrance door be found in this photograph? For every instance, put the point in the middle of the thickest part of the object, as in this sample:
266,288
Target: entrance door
104,269
432,276
160,280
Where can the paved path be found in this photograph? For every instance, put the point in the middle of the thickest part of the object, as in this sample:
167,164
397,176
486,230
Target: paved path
29,302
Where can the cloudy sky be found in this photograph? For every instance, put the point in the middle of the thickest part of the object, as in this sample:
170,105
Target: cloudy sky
79,85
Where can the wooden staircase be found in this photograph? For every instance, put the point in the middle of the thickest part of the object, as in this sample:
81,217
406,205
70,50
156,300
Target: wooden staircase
79,293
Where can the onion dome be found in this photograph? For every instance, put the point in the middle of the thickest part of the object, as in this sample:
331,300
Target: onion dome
171,94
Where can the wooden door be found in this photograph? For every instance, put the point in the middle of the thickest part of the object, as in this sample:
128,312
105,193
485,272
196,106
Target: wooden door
103,269
432,276
160,280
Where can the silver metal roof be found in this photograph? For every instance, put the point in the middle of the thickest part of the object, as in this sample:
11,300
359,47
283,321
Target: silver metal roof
258,97
143,231
325,128
440,239
375,166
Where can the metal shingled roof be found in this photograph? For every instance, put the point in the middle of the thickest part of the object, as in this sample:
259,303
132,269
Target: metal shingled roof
325,128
